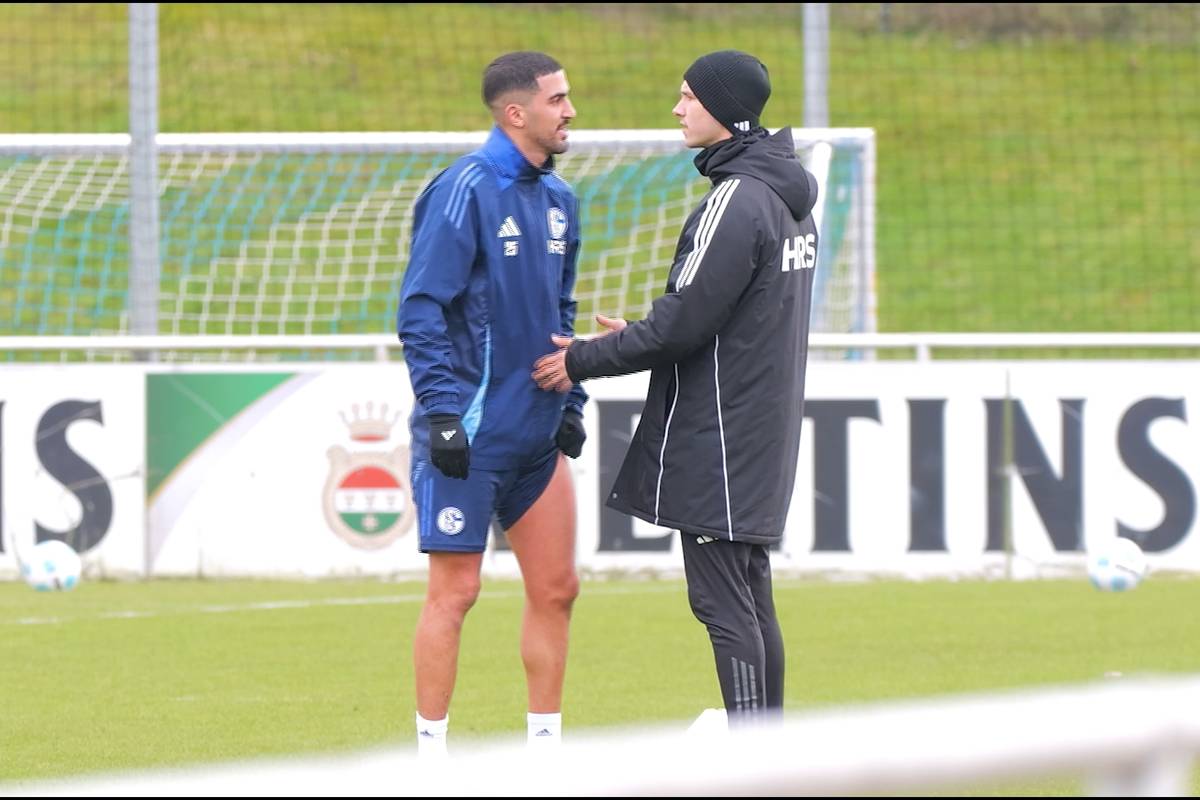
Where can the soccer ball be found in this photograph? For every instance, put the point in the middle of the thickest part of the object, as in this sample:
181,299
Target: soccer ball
51,566
1117,566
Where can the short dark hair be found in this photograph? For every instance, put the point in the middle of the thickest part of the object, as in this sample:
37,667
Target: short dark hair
519,70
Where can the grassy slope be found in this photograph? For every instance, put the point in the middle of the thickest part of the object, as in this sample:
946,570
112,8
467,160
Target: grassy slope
1022,185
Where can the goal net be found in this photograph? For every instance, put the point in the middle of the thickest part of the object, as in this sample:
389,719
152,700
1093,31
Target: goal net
309,233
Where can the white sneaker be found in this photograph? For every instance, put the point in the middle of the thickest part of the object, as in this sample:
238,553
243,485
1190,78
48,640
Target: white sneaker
712,723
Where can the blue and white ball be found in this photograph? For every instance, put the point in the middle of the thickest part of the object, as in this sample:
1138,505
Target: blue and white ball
1117,566
51,566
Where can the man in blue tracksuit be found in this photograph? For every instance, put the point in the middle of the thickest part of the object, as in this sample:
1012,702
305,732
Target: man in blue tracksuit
494,248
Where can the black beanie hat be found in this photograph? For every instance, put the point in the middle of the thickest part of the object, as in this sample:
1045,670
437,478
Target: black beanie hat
732,86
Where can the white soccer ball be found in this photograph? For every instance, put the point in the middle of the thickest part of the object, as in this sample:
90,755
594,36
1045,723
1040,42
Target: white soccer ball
51,566
1117,566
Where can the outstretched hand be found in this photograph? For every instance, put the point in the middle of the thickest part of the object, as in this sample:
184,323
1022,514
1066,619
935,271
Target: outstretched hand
550,371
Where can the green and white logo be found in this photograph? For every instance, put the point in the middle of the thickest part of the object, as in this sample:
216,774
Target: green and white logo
367,497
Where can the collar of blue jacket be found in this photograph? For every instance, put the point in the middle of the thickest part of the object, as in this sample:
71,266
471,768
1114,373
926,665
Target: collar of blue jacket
509,162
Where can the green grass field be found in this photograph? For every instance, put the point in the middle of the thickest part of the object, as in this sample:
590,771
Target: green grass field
1035,177
1026,182
126,676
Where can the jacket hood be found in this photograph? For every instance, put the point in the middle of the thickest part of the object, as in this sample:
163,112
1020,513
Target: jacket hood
771,158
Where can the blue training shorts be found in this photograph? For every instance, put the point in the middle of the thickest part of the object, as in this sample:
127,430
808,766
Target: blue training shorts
455,515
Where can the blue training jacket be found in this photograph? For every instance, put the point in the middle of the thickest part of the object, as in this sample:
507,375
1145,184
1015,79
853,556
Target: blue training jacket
491,276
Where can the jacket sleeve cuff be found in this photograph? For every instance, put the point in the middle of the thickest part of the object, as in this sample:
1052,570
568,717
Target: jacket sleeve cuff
571,363
440,404
576,399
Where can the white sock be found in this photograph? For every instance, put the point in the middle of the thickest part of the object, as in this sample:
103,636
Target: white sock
431,736
545,730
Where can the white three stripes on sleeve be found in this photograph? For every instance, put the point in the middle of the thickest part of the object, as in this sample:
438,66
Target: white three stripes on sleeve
456,206
713,211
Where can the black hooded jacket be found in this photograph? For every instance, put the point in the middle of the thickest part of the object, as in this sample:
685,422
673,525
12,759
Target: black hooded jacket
716,449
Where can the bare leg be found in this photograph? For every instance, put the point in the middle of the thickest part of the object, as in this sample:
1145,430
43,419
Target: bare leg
453,588
543,540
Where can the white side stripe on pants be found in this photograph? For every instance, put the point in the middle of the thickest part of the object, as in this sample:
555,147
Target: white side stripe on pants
745,685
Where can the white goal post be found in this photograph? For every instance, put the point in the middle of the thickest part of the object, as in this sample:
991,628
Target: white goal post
308,233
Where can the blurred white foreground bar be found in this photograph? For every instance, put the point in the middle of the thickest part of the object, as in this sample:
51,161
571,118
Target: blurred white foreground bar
1127,736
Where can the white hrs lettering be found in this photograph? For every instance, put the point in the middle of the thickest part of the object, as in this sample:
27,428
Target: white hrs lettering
799,252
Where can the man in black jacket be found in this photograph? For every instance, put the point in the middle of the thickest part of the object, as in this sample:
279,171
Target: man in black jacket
715,453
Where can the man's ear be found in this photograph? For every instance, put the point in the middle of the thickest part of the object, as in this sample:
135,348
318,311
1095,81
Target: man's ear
515,114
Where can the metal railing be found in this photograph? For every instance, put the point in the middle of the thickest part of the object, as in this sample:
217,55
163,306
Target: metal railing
921,345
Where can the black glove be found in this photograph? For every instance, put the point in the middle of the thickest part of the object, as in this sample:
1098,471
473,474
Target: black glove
448,446
570,434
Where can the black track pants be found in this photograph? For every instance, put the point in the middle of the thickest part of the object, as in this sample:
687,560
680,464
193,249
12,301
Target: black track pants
729,588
